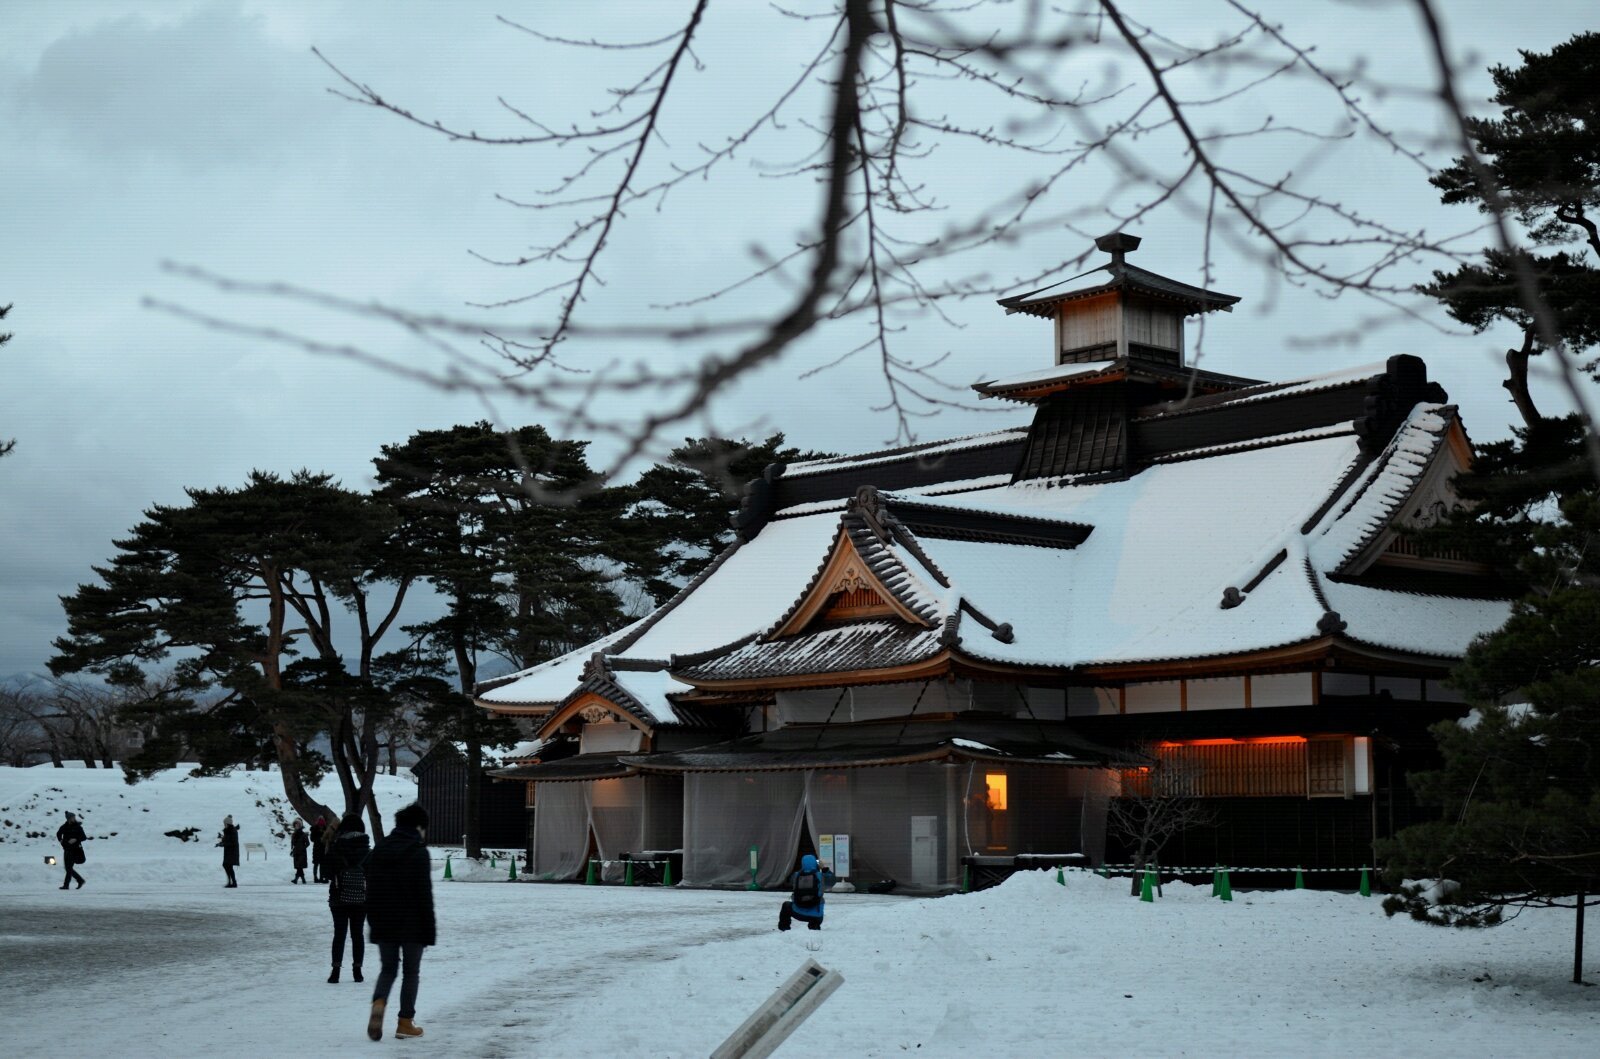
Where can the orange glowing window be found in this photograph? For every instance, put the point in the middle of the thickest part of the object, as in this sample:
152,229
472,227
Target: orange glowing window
997,790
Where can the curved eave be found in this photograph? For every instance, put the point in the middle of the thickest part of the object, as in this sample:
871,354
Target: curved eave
792,761
581,700
1201,301
517,709
1319,652
569,770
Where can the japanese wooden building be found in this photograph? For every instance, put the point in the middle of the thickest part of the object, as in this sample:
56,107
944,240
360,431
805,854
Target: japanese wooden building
965,648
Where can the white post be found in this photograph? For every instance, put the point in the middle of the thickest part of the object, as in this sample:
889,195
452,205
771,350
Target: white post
781,1015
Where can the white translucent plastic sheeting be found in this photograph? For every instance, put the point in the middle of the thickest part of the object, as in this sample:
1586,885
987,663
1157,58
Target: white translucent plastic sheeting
560,830
725,813
625,815
909,824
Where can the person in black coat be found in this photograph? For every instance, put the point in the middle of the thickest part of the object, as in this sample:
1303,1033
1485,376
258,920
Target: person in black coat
72,838
229,841
319,845
347,891
400,915
298,843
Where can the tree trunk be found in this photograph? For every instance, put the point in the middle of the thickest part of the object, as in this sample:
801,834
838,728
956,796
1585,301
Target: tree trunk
289,769
468,673
1577,943
1517,384
474,793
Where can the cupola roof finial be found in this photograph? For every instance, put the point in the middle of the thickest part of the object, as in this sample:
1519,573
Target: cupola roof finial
1118,244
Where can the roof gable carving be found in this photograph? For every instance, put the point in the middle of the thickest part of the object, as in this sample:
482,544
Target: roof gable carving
847,572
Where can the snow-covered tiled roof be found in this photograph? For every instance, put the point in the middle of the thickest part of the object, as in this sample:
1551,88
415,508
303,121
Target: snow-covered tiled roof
1228,551
548,682
1375,500
650,690
1040,376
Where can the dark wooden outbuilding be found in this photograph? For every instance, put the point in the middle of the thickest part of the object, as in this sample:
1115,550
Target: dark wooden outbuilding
442,792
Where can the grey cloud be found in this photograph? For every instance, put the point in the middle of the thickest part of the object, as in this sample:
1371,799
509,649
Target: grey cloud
212,88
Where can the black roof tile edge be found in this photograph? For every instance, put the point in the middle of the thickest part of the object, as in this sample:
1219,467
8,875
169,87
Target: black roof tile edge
1004,436
1270,442
704,669
1264,392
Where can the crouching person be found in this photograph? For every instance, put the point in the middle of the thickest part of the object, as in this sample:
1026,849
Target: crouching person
806,902
399,878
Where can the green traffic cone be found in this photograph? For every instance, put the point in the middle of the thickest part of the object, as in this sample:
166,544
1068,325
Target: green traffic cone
1366,884
666,874
589,879
491,862
1225,889
1299,879
513,873
447,874
1061,876
1147,890
1216,882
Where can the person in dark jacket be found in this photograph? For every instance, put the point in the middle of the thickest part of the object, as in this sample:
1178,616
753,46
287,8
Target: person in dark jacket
347,891
298,843
400,915
229,841
806,901
319,832
72,838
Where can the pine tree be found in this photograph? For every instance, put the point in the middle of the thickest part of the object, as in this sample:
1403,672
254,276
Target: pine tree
514,530
1519,791
243,589
1543,152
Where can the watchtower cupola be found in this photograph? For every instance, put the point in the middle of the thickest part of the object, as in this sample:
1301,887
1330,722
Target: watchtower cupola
1136,316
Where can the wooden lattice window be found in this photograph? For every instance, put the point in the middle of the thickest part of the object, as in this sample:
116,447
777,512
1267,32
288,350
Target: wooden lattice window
1325,767
1226,768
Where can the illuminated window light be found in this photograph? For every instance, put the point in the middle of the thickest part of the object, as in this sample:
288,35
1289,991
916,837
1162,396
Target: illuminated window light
996,782
1257,741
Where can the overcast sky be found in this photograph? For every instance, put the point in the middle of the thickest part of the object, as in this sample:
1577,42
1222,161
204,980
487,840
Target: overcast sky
137,133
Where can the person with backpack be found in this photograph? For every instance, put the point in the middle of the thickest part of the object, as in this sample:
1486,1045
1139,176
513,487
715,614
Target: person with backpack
298,842
347,892
805,900
72,838
229,841
400,914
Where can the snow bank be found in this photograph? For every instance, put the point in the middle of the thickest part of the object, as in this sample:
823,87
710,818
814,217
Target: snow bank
127,825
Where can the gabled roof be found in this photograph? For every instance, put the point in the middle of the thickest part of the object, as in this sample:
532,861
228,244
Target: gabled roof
1124,277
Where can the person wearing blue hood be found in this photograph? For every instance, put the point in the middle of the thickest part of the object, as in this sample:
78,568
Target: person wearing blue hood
806,901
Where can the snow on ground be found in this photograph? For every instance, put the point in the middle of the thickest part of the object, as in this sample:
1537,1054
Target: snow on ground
127,825
154,958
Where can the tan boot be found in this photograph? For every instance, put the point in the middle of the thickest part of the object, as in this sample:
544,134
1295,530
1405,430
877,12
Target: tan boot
375,1021
406,1028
